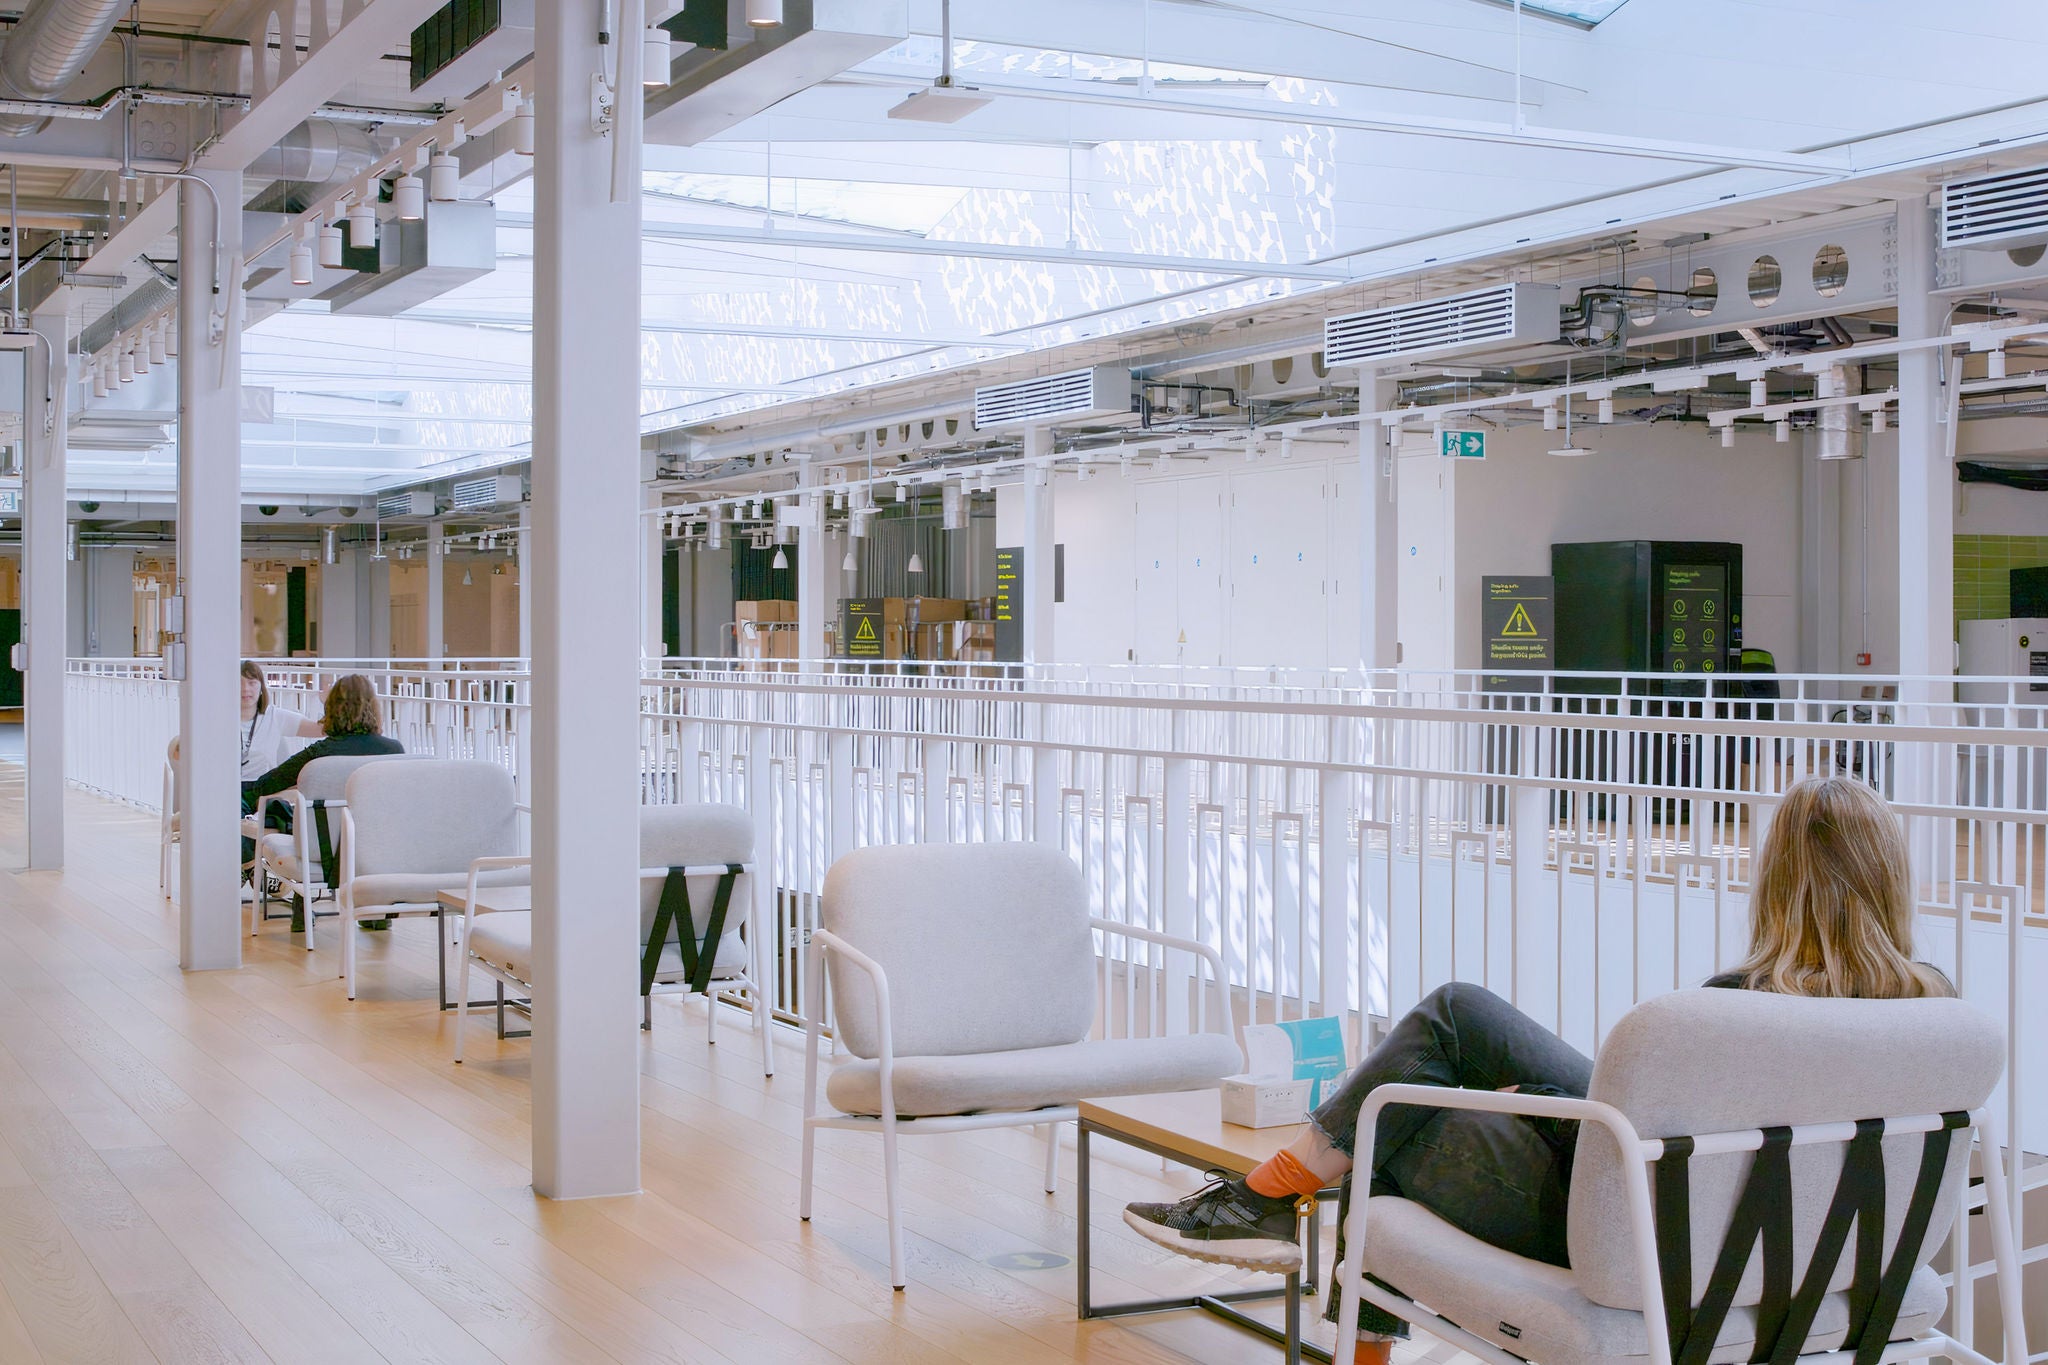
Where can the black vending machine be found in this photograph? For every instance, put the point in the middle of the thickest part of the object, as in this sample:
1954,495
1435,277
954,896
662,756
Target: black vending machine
1648,606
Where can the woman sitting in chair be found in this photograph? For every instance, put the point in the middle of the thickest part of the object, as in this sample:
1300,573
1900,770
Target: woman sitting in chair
1831,914
354,724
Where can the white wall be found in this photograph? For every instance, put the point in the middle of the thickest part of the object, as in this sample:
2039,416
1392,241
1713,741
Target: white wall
1642,483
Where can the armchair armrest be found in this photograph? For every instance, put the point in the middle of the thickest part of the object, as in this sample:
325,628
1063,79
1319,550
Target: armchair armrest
822,942
1201,951
480,865
1351,1273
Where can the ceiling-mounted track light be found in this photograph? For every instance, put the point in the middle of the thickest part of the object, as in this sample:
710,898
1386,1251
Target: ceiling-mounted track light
159,347
655,54
408,198
1728,437
764,13
99,380
126,368
522,129
444,178
1759,393
141,352
362,225
331,247
302,261
1550,418
1782,431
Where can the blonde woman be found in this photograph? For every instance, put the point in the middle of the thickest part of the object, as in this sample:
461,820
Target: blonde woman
1831,914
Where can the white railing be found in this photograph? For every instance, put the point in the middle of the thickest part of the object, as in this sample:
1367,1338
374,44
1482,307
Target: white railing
1344,849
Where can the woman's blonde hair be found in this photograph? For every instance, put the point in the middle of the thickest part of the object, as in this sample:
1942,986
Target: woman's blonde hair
1831,908
353,708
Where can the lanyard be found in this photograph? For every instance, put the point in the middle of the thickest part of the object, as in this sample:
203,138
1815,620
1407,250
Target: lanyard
249,739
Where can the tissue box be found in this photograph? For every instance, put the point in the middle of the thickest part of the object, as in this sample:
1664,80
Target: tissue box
1264,1101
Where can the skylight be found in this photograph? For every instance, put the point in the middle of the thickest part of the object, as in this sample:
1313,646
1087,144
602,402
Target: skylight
1584,13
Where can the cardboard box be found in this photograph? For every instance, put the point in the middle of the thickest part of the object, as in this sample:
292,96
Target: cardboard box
763,611
932,609
1264,1101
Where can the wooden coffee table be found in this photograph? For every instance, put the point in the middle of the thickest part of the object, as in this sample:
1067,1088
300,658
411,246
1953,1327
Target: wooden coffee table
1187,1126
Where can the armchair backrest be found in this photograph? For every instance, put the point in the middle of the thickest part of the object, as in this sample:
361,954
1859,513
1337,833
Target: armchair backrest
986,947
1713,1061
695,836
430,815
326,779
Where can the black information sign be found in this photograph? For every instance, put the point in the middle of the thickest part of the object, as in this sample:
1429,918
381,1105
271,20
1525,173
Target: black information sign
1519,616
1010,605
1694,635
860,629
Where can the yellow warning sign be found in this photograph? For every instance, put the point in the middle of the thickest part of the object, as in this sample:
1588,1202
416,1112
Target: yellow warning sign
1519,623
867,629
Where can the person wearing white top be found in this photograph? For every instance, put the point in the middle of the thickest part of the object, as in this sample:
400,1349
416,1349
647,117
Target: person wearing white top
266,727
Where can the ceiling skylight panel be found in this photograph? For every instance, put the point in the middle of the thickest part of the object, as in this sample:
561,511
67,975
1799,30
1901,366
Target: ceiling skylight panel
1584,13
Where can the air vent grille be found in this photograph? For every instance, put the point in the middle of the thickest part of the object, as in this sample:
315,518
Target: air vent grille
497,490
1481,320
415,502
1997,211
1104,391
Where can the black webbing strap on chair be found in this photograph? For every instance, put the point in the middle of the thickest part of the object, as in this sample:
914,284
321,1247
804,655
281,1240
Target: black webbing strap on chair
323,842
1763,1211
674,913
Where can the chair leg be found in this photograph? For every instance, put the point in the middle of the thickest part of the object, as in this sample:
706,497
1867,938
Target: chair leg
349,930
461,1001
760,1004
1052,1158
896,1276
711,1016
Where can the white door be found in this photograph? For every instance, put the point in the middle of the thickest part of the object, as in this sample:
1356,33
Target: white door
1204,608
1279,542
1156,555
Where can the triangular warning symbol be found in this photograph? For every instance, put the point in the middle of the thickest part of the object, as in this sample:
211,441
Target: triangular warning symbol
1519,623
867,629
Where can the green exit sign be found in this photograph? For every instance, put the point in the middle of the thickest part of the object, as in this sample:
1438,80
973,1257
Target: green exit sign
1463,445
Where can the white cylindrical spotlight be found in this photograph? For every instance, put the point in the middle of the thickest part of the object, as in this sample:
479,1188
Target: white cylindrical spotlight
302,262
1877,420
1759,392
444,178
141,350
764,13
522,129
99,380
408,198
127,367
362,225
1728,437
330,247
159,346
1606,411
1782,430
1550,418
655,55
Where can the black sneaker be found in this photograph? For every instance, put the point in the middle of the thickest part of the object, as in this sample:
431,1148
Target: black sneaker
1226,1223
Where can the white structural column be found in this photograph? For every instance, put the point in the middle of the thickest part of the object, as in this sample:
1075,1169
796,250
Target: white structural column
1926,479
586,633
523,566
44,575
653,548
210,568
1038,549
816,571
437,591
1379,587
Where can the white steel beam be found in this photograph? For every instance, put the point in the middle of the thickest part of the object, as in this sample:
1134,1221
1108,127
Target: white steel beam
44,574
1378,579
1926,475
585,785
209,573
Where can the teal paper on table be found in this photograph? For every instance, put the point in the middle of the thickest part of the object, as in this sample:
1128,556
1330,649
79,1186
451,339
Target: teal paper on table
1318,1053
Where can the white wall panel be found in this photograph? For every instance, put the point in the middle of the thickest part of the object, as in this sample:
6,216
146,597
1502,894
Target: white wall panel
1279,544
1204,592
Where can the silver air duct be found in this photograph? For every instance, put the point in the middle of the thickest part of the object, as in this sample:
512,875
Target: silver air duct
47,50
322,152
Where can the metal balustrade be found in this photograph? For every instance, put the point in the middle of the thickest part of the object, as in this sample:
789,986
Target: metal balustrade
1346,843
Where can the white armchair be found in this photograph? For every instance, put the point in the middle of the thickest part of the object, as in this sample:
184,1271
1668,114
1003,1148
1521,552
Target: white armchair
306,861
413,830
1778,1120
963,977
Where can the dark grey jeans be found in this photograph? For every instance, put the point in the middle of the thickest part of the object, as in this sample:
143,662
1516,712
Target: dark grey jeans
1501,1178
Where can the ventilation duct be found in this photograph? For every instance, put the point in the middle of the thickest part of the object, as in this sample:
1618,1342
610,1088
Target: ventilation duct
1483,320
1996,211
1104,391
322,152
421,260
47,50
496,490
715,88
413,502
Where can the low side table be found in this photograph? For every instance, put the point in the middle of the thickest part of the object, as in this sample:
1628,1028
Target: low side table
1188,1127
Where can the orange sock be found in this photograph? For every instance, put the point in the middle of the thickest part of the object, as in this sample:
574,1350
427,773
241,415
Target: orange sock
1373,1353
1283,1177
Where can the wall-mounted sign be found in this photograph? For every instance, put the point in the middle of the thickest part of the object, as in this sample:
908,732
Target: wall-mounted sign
1010,604
10,502
1519,616
1462,445
860,629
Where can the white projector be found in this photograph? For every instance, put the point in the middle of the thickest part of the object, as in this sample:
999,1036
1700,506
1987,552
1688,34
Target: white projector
941,104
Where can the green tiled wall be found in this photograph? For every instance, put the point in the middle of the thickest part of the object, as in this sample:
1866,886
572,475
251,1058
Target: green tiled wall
1983,572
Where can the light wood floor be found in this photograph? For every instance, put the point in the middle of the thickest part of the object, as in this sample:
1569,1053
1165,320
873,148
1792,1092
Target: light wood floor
243,1166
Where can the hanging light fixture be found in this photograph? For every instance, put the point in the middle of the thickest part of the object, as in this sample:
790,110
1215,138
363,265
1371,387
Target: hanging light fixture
850,564
764,13
141,352
126,368
159,348
1606,411
444,178
331,247
1759,392
467,580
362,225
916,564
522,129
171,336
1782,430
1877,419
302,260
1728,437
781,560
1550,418
654,57
408,197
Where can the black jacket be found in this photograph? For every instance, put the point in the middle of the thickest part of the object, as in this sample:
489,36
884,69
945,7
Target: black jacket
286,774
